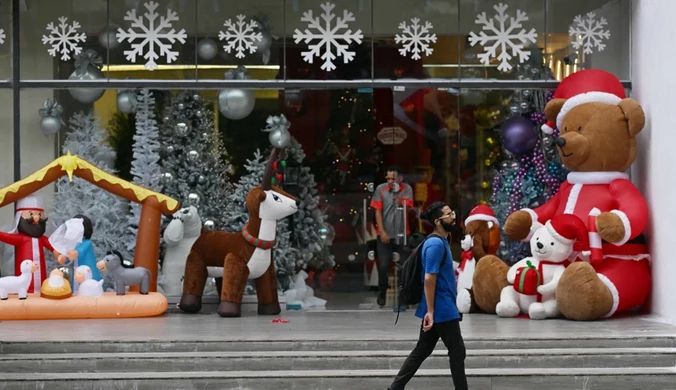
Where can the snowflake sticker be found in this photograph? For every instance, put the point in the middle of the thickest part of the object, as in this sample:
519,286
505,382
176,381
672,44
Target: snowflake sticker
240,36
416,38
505,37
338,36
64,38
2,36
162,35
589,33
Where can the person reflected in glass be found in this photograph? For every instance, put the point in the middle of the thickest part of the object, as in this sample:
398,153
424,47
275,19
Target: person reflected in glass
437,308
390,201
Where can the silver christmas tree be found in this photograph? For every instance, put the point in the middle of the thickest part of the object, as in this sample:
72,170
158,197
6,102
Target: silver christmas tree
194,161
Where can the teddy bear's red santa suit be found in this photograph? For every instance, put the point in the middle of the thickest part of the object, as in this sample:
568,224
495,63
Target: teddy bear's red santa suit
624,267
27,246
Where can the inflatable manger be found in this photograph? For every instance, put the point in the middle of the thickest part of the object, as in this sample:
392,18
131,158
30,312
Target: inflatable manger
109,305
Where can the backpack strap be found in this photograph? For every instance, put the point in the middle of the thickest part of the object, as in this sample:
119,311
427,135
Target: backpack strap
443,260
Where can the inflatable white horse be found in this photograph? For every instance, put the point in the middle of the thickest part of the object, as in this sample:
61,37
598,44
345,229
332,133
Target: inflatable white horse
179,236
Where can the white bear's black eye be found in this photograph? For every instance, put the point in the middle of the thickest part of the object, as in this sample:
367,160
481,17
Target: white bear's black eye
276,198
552,243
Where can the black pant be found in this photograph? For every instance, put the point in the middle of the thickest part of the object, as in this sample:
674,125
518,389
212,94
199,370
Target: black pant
385,253
449,332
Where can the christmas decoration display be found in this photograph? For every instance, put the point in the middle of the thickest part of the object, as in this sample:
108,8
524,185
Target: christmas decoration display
265,43
278,127
415,38
87,67
588,32
538,276
108,38
236,103
56,286
87,285
207,49
504,36
327,37
482,237
302,296
67,237
620,281
145,165
152,36
64,38
85,249
240,36
51,121
19,284
126,101
243,255
78,197
179,237
124,275
194,161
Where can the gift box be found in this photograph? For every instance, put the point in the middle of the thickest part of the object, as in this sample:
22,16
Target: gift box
527,279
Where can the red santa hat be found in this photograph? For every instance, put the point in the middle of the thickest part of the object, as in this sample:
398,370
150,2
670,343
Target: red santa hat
569,228
29,203
481,213
585,86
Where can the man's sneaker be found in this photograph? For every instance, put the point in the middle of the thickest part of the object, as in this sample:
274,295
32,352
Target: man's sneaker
381,298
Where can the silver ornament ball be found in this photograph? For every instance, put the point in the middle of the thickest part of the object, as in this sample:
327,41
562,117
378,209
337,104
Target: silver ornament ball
207,49
524,105
66,272
166,177
514,108
87,95
280,138
526,92
193,199
170,149
210,224
50,125
182,128
126,102
193,155
236,104
199,113
108,37
201,179
265,43
180,106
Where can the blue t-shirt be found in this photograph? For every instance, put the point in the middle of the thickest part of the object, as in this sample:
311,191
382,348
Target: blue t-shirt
445,308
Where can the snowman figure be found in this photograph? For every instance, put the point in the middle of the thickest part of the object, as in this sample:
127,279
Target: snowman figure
534,279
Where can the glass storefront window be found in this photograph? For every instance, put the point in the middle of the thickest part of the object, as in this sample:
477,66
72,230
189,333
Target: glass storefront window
5,40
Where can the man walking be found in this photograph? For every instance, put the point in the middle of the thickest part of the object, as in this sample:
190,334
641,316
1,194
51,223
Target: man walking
437,309
390,201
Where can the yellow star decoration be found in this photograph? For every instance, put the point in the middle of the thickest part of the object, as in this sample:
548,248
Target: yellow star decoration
69,164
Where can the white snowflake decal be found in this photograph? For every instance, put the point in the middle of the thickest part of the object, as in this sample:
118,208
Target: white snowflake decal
240,36
2,36
589,32
416,38
151,35
64,38
503,37
328,36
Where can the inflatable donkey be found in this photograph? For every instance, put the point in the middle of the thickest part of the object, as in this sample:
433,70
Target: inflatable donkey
124,275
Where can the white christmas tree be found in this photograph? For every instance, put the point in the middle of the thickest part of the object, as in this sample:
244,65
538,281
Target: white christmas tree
236,214
310,219
88,140
145,165
193,158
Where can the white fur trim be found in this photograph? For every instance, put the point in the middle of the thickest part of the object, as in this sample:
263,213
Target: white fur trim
595,177
535,224
573,196
589,97
481,217
546,129
613,292
627,227
556,234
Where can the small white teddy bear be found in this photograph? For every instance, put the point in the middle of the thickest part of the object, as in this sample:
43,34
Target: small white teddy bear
552,246
88,287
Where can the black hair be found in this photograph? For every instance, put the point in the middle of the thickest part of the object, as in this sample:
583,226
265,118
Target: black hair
393,168
433,212
87,224
119,256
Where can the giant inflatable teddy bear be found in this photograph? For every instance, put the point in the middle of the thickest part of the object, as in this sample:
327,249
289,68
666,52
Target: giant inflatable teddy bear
597,143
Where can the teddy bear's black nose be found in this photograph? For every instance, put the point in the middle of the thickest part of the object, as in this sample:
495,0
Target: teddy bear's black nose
540,245
560,142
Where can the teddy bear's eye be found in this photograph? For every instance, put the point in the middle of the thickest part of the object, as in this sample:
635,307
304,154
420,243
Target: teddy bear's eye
552,243
579,129
565,129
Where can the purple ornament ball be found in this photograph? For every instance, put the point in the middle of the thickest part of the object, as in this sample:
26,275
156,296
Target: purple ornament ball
519,135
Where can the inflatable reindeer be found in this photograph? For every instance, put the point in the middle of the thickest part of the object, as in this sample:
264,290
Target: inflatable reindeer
243,255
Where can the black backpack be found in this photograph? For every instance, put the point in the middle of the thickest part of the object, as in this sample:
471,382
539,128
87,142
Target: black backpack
410,281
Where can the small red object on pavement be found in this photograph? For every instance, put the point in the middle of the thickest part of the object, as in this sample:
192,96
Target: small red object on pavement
280,321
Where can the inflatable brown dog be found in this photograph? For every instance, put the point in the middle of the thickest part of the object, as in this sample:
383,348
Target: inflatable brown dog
243,255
